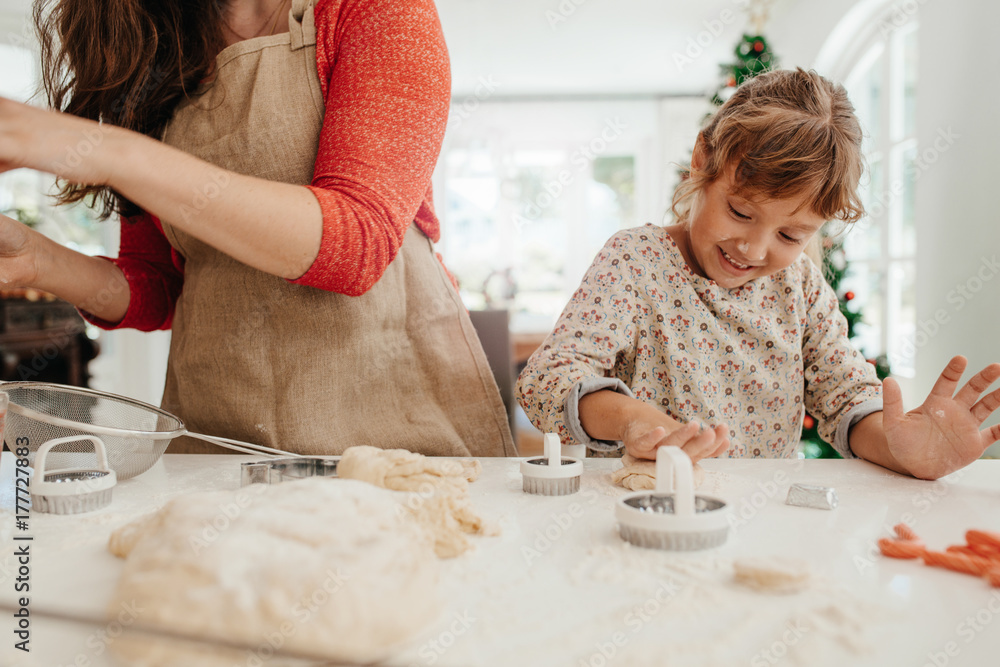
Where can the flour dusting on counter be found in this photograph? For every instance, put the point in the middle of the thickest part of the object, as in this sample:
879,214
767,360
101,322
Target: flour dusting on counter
696,614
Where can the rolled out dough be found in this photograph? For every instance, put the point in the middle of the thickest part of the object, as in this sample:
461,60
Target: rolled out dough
773,575
328,567
640,474
439,487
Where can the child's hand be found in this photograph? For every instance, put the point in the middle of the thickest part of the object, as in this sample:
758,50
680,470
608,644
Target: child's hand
942,435
642,440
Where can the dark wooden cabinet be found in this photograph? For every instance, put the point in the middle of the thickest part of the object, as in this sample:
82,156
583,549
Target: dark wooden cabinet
45,341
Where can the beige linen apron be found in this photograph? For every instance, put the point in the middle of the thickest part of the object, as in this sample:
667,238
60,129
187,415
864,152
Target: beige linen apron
256,358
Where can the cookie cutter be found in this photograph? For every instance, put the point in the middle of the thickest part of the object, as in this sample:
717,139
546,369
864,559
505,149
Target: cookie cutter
71,490
276,471
551,474
672,517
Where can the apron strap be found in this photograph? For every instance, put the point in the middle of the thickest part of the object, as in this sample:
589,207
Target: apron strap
302,24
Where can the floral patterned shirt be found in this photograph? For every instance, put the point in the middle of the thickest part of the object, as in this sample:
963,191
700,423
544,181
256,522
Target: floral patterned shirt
757,356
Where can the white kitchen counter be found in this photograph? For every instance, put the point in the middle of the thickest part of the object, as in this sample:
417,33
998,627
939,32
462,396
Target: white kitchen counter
558,586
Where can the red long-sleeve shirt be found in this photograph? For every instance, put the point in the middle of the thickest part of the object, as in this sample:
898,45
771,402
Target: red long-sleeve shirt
383,69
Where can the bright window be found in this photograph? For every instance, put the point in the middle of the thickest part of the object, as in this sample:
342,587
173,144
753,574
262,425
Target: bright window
529,191
23,191
882,248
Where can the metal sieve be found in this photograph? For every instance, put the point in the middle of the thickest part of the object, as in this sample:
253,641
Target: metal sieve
134,433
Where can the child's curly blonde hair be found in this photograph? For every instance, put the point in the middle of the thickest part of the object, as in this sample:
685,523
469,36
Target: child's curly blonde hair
786,133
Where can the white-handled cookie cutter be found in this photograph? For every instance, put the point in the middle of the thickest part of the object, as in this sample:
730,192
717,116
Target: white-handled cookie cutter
72,490
552,474
672,517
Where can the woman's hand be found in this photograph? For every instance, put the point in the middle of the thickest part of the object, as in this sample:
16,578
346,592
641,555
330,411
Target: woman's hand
53,142
942,435
18,257
642,439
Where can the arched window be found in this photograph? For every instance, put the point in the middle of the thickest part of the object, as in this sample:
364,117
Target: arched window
878,66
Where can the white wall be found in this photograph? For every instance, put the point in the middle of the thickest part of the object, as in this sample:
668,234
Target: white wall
958,214
555,47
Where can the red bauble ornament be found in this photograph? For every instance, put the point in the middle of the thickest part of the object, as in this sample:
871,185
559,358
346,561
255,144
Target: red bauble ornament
808,422
758,46
731,82
849,296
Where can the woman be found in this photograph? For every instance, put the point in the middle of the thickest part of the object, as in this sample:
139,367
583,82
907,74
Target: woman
298,143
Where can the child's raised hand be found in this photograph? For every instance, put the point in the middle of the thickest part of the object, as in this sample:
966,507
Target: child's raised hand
942,435
642,440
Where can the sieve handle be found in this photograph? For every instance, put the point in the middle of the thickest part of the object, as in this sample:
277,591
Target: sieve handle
239,445
43,452
674,473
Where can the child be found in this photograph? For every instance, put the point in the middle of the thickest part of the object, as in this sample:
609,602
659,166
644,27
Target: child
722,319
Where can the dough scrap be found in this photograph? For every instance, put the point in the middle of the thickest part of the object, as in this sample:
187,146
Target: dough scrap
640,474
329,567
440,487
773,575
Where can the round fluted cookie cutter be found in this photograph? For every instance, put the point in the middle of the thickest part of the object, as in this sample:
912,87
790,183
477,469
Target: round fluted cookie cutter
276,471
71,490
672,517
552,474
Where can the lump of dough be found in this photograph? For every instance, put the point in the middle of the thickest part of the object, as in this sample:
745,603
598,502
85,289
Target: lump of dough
325,567
773,575
403,470
640,474
440,487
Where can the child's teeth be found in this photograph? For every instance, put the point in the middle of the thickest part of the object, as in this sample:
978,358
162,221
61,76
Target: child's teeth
734,262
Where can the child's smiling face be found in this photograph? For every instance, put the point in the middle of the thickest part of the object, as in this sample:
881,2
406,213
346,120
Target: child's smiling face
732,239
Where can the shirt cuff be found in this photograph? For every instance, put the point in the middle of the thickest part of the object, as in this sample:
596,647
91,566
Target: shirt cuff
572,406
840,441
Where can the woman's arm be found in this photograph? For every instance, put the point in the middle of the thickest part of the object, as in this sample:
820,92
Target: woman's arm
387,97
274,227
385,77
30,259
243,215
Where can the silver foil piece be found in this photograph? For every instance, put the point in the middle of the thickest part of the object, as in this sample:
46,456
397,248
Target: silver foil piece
808,495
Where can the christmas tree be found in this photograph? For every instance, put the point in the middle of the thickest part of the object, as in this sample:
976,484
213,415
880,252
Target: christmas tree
753,57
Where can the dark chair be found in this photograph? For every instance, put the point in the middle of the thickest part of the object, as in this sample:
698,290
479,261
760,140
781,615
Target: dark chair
494,333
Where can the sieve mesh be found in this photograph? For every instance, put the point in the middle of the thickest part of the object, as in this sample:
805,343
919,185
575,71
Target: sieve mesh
135,434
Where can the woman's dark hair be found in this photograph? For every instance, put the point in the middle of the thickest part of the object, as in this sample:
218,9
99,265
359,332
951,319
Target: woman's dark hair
124,62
